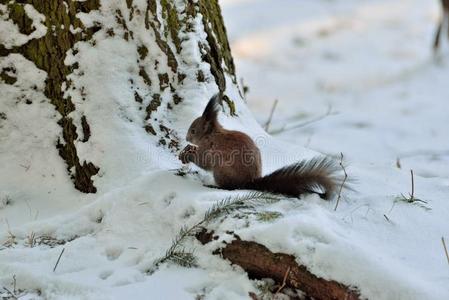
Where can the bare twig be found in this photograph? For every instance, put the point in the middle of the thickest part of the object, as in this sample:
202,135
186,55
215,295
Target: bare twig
14,283
245,88
398,163
11,241
445,249
319,118
31,239
59,258
13,296
329,112
26,167
29,207
343,182
267,125
284,280
411,198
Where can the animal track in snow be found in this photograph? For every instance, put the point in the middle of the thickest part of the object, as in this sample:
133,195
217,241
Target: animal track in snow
112,253
106,274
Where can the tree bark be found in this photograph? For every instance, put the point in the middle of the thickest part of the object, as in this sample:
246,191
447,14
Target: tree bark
48,54
168,25
259,262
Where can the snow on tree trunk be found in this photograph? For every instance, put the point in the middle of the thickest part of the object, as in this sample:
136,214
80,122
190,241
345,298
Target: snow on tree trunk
157,52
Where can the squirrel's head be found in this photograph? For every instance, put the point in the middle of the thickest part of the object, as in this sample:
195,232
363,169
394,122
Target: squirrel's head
205,124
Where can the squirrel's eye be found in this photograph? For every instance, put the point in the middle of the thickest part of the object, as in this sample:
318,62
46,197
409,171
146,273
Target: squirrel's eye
192,131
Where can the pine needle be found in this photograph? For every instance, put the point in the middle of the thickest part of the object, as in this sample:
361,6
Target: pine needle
246,203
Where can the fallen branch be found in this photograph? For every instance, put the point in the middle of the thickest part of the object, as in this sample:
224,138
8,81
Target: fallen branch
259,262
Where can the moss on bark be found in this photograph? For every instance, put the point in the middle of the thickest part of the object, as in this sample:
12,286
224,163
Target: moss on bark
18,15
217,36
7,78
48,53
217,51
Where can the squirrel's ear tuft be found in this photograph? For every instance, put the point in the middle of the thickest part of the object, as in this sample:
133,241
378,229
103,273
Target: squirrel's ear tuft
211,110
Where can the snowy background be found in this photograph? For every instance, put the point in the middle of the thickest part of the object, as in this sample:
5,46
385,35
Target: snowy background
368,63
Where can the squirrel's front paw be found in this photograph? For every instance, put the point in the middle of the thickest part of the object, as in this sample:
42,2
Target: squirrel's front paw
187,154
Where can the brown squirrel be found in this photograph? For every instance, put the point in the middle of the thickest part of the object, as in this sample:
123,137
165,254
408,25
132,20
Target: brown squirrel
235,161
444,19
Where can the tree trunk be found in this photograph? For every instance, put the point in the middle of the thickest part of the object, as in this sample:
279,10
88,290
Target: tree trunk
166,24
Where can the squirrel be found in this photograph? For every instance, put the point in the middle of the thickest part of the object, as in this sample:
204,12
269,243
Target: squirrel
236,163
444,20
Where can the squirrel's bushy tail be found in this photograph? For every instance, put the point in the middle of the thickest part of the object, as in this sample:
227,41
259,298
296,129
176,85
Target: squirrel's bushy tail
317,175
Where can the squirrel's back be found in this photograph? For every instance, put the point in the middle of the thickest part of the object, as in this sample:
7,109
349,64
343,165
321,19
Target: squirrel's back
234,156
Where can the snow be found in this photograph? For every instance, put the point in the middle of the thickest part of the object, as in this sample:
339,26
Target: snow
9,32
370,61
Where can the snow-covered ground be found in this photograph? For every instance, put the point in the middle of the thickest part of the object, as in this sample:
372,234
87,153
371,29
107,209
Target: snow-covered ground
368,62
